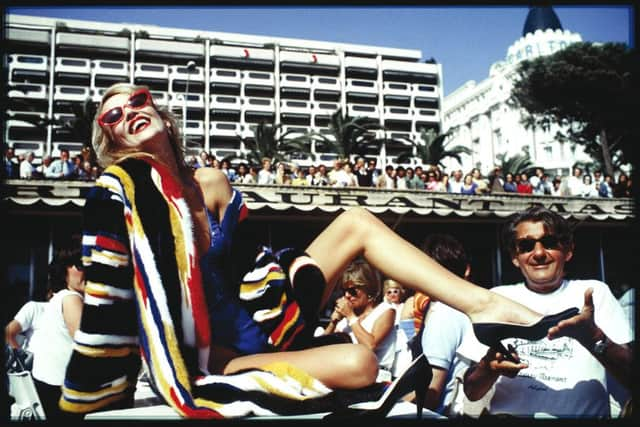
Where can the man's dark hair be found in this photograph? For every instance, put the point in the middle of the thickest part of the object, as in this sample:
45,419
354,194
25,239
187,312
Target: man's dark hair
62,259
448,252
553,223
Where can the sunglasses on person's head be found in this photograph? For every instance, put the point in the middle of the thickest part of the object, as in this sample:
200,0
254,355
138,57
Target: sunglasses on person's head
138,100
548,241
352,291
393,291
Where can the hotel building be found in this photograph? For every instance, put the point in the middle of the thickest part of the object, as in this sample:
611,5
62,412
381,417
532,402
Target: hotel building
226,83
478,115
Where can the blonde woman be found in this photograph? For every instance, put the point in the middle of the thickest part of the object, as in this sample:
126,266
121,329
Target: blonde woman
363,314
164,280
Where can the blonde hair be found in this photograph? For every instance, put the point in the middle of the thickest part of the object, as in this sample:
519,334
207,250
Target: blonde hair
108,152
390,283
361,273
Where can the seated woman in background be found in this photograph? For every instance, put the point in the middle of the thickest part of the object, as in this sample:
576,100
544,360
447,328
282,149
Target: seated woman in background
166,280
363,314
402,300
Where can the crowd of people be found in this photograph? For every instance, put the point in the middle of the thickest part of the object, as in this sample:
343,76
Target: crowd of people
164,279
23,166
361,173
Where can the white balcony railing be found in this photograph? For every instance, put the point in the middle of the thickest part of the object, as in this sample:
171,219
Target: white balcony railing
225,75
73,65
152,71
71,93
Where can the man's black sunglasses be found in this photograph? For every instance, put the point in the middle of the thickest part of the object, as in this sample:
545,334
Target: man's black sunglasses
528,244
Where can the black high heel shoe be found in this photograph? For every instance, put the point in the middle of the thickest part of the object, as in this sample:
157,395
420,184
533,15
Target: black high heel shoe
415,378
492,333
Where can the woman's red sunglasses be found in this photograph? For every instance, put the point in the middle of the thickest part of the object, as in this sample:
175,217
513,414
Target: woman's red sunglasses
138,100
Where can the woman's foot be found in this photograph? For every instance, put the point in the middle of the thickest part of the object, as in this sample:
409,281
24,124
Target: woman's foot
500,309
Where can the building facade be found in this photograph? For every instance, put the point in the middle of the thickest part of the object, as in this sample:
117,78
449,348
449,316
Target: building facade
479,116
223,83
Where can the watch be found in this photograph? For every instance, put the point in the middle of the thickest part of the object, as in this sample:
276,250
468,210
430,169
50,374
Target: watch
600,347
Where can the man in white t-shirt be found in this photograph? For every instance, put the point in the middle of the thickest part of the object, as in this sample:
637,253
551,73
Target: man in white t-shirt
444,330
564,374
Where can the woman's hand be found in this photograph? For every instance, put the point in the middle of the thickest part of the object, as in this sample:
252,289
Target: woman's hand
344,308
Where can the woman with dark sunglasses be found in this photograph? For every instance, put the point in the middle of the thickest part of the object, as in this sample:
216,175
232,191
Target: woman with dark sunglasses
365,316
165,277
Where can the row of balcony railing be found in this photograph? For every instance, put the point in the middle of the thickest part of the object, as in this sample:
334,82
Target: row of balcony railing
83,70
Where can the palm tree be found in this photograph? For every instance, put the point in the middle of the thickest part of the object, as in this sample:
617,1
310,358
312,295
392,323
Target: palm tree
433,149
80,126
350,135
267,143
515,164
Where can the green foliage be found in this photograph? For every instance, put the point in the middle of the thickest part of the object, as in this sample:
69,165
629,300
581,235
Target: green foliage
351,136
516,164
592,91
433,149
267,143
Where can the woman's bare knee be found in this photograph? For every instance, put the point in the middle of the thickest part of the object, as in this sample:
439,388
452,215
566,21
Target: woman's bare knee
362,365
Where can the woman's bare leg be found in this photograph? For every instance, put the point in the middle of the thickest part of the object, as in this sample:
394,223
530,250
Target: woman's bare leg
358,232
350,366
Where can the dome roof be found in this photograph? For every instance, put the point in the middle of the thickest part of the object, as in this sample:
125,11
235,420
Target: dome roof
541,18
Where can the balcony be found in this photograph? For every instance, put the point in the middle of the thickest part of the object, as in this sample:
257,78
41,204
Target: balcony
325,83
295,107
28,91
101,67
19,61
194,128
80,66
182,72
225,129
160,98
361,68
324,108
225,75
225,102
258,78
397,88
425,90
175,50
309,63
358,85
259,104
194,101
243,57
295,80
152,72
93,43
71,93
430,115
361,110
396,113
24,131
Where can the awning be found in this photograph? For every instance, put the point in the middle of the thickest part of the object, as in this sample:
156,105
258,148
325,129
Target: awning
303,199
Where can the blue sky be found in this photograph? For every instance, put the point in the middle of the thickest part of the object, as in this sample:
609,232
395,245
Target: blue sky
465,40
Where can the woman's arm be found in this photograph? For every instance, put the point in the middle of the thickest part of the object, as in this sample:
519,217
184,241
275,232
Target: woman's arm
72,312
11,331
381,328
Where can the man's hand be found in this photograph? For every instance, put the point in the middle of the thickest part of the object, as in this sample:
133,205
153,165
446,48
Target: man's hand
580,327
497,363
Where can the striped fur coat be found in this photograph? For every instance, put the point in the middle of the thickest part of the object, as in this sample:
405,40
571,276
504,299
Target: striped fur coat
144,301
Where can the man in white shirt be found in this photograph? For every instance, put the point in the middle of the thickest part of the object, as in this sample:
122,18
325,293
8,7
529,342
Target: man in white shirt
564,374
456,181
27,168
266,176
